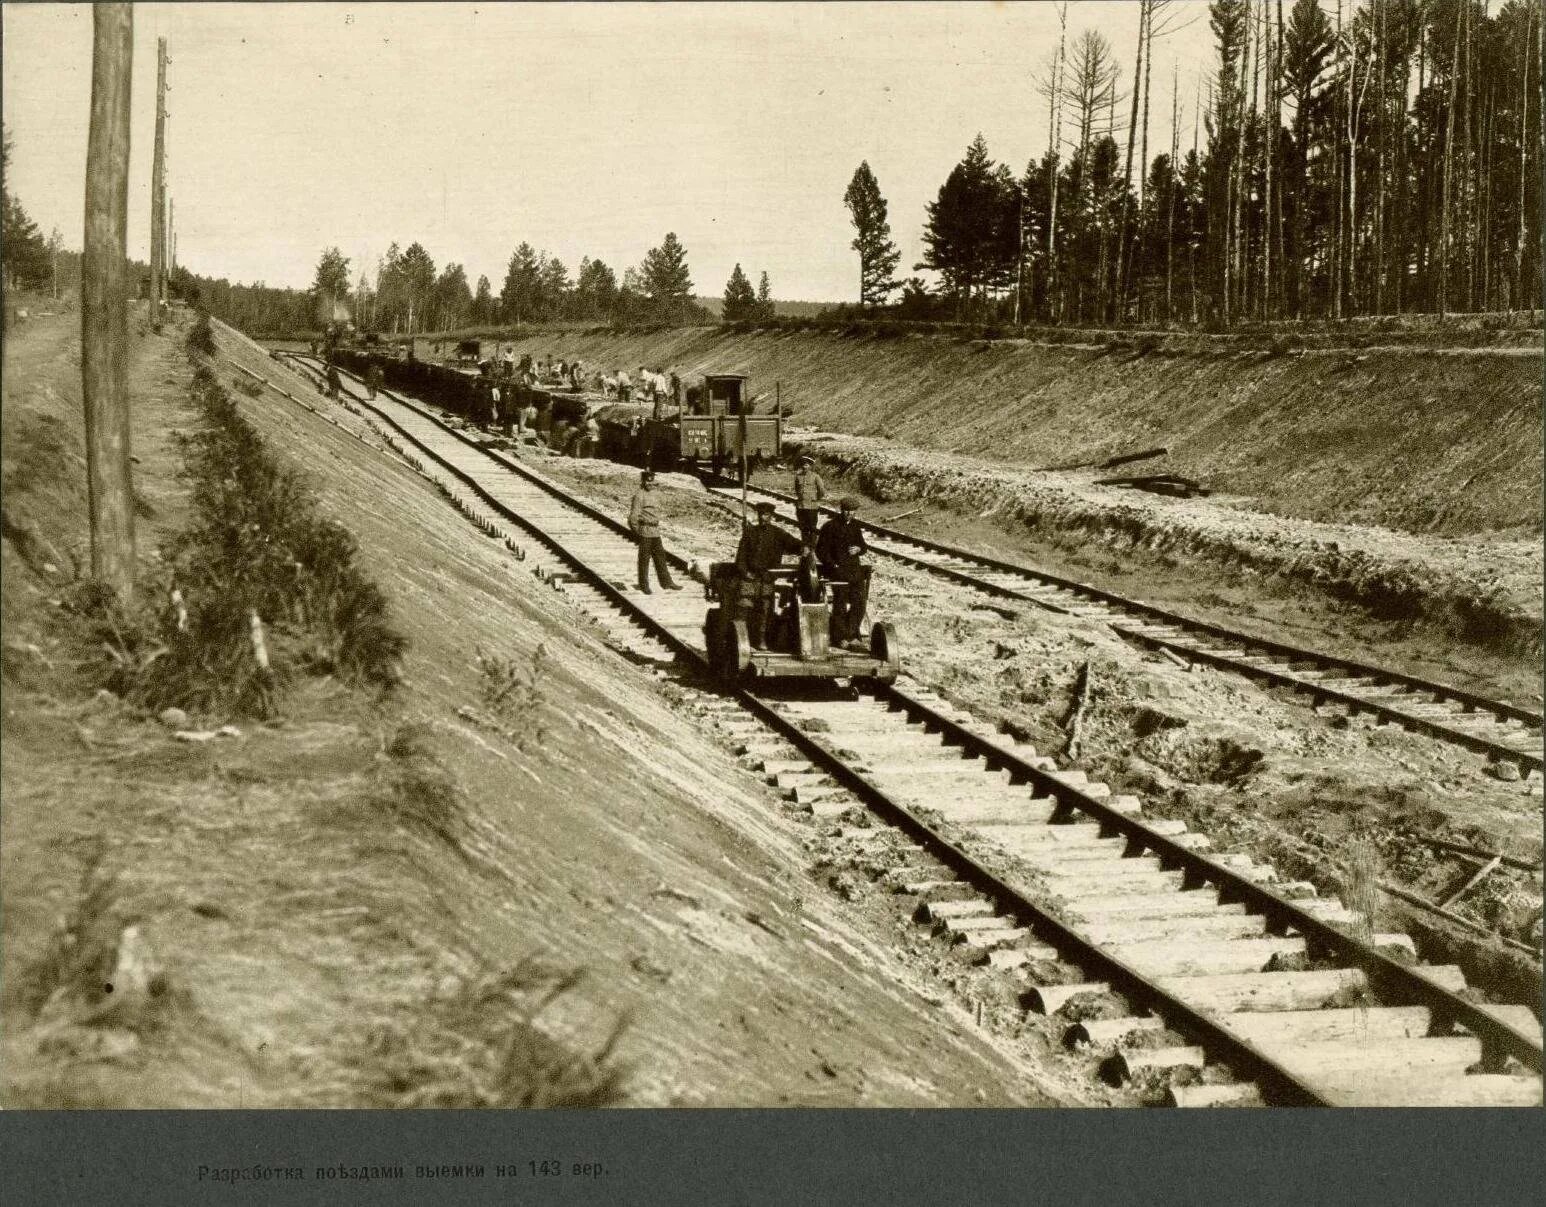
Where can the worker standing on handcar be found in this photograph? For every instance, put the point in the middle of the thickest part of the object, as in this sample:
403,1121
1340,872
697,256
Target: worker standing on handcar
809,490
762,549
841,549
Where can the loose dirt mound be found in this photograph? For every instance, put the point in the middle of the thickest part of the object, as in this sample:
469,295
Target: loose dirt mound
1443,441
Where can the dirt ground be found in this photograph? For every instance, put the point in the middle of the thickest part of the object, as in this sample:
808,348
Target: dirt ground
320,951
1423,439
1253,768
1482,595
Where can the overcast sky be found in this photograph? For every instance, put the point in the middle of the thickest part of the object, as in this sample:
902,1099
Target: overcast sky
584,129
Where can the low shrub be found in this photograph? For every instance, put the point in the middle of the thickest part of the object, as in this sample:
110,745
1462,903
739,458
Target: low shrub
268,587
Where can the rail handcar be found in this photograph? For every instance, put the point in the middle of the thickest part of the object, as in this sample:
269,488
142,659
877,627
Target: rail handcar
799,636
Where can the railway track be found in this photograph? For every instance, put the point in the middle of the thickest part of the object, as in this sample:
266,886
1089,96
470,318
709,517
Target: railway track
1199,973
1503,731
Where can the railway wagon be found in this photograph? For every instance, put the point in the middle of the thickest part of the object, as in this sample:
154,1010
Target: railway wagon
720,425
460,390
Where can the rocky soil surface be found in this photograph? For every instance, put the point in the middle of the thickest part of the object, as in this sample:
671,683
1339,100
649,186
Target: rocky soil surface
1485,592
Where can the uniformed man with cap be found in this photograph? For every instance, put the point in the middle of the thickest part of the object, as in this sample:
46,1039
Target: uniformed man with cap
841,548
809,490
762,549
644,520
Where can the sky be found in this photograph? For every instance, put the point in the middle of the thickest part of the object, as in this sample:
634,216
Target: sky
583,129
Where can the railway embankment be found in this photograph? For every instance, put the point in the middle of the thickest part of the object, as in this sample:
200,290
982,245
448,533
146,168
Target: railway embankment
521,876
1404,479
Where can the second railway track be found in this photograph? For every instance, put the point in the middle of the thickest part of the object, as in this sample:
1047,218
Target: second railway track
1501,730
1264,992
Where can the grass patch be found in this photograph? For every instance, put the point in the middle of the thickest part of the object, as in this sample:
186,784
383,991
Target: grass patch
514,695
417,791
476,1044
272,589
1359,884
200,340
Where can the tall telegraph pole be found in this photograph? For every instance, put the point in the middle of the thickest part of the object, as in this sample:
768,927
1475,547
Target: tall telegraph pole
105,300
158,193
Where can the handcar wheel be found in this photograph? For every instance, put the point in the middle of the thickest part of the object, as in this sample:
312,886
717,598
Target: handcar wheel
738,650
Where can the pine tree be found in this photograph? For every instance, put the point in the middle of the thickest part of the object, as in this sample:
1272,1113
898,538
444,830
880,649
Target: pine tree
518,299
970,236
765,307
740,300
666,280
452,298
330,287
483,302
878,255
26,260
595,289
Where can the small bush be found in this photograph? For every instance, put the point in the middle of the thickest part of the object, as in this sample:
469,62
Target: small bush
256,565
514,694
201,338
417,791
478,1046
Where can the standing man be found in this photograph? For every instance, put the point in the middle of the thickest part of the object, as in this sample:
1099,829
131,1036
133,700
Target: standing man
333,382
676,391
809,490
373,378
761,551
624,386
644,520
841,549
592,436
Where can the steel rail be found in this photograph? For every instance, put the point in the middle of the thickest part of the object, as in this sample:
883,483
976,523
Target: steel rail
1393,981
1472,702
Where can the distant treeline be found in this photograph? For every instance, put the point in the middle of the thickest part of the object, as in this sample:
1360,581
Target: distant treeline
1384,161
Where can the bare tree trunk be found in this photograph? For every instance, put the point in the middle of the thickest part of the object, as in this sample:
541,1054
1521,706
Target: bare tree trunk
1123,237
1175,185
1381,112
1269,153
1524,134
1055,153
104,299
1449,156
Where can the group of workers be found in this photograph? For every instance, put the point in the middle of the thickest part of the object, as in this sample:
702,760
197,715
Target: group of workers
838,547
655,385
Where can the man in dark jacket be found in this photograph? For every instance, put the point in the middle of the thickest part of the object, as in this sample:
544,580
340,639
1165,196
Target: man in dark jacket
841,549
762,550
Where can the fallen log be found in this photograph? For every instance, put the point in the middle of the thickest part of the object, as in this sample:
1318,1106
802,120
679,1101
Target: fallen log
1145,455
1160,484
1477,853
1475,878
1076,713
1400,894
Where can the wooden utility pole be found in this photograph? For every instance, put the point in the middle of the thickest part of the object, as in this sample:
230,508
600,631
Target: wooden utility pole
104,301
158,192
